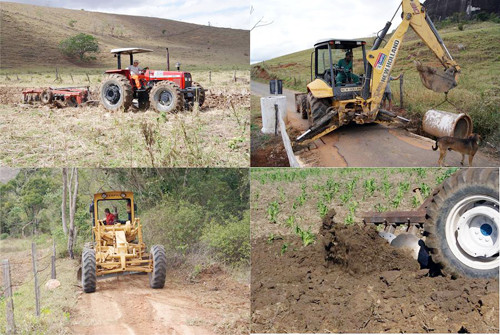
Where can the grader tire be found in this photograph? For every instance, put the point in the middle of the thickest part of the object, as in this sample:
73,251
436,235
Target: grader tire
116,92
467,201
47,97
89,277
159,274
201,97
318,108
166,96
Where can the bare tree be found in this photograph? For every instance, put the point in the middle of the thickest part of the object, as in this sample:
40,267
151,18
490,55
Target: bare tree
261,23
64,198
71,189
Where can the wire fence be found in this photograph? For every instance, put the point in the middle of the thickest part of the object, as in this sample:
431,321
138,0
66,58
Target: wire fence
39,267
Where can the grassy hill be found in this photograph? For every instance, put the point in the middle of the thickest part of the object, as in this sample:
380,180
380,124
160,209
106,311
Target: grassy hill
478,91
30,36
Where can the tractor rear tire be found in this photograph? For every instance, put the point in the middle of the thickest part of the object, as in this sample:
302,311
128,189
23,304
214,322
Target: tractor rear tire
47,97
166,96
89,267
462,224
116,92
317,107
304,107
159,274
201,97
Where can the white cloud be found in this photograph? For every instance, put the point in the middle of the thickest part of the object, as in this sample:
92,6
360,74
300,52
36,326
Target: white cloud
297,25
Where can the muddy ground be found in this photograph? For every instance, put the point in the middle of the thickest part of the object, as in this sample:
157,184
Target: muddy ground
351,281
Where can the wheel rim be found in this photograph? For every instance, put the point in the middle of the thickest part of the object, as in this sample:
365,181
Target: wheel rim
472,228
112,93
165,99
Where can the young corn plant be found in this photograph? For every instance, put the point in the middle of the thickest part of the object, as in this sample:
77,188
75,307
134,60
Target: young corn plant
322,209
425,190
380,208
290,221
284,248
306,236
272,211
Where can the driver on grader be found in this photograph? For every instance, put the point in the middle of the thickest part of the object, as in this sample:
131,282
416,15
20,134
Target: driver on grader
135,71
345,74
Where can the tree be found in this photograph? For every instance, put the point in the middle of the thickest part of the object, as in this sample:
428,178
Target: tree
72,187
79,45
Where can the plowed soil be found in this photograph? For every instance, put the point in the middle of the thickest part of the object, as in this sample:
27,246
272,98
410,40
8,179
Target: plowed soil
215,304
351,281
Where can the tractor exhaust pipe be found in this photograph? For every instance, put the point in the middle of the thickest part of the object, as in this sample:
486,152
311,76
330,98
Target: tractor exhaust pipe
168,60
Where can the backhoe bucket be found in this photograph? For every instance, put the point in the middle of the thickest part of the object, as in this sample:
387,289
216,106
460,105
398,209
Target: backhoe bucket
436,79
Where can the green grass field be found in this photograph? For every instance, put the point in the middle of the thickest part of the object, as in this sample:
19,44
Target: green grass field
478,90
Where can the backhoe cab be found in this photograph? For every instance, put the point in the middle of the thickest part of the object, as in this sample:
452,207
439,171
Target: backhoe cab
117,245
165,91
331,104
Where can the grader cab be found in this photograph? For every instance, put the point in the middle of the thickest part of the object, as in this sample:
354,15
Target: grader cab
118,245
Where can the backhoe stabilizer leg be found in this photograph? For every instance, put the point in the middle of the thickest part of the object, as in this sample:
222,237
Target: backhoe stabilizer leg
322,127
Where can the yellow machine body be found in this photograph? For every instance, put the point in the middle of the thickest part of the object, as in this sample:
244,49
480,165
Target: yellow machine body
365,110
119,247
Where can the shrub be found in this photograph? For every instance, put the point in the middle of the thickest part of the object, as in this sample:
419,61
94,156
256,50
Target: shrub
4,236
79,45
229,241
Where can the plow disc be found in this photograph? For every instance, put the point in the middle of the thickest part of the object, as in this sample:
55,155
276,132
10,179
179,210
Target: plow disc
435,79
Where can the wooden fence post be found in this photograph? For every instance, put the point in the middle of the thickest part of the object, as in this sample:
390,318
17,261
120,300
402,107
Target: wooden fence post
209,76
234,75
37,288
53,274
401,91
88,77
11,325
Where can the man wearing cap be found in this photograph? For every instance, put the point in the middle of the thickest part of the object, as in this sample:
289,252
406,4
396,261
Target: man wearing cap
135,71
345,73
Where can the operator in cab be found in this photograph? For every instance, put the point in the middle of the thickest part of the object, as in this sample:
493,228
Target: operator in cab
135,71
110,217
345,75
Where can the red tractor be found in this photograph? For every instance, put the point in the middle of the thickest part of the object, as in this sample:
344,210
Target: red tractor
164,91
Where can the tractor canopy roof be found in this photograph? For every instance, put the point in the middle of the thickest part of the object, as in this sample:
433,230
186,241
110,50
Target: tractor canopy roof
338,44
113,195
130,51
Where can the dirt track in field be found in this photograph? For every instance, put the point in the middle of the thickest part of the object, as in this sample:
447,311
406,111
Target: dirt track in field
127,305
361,285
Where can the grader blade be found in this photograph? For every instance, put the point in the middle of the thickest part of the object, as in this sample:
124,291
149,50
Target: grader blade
435,79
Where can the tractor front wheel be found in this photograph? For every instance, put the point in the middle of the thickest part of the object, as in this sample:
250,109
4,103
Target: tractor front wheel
89,276
462,224
116,92
318,108
166,97
159,274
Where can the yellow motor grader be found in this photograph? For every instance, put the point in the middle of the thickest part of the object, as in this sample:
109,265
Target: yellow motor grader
117,245
337,97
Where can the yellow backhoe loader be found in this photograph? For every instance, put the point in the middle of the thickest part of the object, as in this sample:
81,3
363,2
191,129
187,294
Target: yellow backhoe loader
337,97
117,245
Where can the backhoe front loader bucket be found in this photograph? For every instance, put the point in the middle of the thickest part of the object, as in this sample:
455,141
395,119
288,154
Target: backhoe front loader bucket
436,79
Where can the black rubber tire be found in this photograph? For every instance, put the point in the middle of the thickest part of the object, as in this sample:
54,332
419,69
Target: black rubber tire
89,267
172,92
304,107
124,93
47,97
201,96
317,108
159,274
462,184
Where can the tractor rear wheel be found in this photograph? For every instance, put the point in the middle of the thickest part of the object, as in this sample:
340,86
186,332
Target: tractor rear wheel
166,97
462,224
159,274
47,97
318,108
89,267
116,92
201,96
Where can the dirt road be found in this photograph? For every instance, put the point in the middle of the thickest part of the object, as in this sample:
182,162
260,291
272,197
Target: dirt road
371,145
126,305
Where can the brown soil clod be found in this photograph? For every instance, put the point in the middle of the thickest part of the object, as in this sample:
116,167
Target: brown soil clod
352,280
